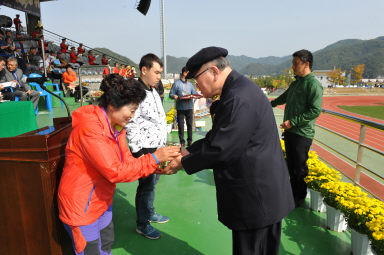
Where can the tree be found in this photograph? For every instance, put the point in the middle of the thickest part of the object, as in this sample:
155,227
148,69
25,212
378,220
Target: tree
336,76
357,73
288,77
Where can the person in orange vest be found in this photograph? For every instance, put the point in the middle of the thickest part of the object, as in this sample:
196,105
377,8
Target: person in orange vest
17,23
63,46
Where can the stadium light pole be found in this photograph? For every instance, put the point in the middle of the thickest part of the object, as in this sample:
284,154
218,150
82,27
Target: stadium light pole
163,37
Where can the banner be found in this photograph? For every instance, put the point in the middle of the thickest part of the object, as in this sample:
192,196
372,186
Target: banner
28,6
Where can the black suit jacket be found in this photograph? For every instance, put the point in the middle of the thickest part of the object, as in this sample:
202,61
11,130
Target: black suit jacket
244,151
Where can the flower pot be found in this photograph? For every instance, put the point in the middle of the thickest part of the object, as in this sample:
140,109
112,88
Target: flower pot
360,244
335,219
317,203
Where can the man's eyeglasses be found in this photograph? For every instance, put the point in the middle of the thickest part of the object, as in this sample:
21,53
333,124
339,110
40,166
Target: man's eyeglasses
201,73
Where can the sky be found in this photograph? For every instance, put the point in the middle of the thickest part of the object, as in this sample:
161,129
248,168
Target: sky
255,28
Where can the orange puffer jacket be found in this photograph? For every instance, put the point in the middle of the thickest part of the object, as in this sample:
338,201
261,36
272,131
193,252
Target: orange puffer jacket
95,160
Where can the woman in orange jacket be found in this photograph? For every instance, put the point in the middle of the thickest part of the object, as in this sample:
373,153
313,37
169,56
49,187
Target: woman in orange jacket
96,158
69,80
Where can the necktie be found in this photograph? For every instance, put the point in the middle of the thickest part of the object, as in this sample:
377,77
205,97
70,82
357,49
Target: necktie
18,84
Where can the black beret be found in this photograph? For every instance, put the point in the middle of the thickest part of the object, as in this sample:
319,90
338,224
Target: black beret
203,56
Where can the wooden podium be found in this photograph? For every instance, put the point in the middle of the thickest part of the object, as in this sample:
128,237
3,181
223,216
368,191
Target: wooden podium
30,168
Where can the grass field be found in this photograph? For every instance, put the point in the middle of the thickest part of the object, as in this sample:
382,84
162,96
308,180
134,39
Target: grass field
370,111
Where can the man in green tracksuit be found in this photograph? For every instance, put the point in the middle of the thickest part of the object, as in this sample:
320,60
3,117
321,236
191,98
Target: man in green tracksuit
303,101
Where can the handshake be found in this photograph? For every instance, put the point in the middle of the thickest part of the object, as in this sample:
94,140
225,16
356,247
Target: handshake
170,159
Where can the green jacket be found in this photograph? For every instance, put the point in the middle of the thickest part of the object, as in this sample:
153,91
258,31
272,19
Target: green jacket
303,101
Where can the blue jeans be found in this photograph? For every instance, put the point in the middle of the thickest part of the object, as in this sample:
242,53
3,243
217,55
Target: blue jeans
145,196
145,193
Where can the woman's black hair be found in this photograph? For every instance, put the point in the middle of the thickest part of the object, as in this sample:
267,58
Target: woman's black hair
119,92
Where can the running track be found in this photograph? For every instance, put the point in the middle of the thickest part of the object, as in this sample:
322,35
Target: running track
373,137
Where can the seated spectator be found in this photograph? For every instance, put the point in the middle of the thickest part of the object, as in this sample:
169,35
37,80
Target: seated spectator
3,46
20,53
70,82
9,48
133,72
19,44
106,70
128,72
63,46
45,45
48,62
104,60
8,34
122,70
91,58
62,61
7,93
115,69
73,55
22,89
57,67
17,23
34,61
37,34
80,49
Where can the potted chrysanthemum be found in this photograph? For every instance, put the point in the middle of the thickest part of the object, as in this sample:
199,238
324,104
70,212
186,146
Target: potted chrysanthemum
358,209
376,227
318,174
332,191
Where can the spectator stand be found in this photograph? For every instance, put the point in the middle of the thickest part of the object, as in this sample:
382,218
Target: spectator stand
90,76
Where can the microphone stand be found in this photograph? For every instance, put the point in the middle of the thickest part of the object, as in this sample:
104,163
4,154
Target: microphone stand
43,87
41,83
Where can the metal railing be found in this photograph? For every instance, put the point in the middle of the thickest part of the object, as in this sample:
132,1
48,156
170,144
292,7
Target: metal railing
359,166
96,72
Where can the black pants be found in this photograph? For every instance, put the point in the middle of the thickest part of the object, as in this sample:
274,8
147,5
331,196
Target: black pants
8,95
77,92
297,148
188,114
263,241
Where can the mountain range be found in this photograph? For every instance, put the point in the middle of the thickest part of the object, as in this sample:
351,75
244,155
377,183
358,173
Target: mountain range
345,54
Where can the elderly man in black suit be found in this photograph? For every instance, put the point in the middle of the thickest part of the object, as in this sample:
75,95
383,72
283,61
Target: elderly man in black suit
22,89
243,149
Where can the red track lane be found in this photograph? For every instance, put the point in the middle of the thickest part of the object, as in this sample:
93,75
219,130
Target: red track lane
350,129
373,137
370,184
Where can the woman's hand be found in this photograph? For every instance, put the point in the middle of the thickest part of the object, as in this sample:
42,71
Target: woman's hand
167,153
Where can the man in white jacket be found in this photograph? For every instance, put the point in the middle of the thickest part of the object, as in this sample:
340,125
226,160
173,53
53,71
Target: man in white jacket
146,132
